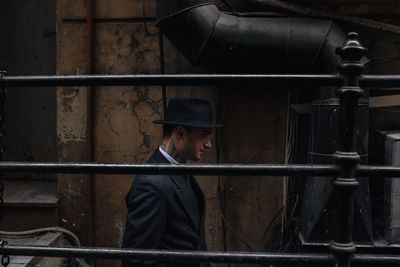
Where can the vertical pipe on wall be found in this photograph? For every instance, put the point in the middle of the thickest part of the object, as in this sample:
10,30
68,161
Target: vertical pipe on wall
90,36
162,69
221,198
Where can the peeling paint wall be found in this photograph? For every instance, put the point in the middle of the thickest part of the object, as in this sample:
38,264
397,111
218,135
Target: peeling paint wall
124,132
254,132
75,191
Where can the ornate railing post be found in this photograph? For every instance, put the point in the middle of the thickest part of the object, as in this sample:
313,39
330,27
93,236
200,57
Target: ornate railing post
346,156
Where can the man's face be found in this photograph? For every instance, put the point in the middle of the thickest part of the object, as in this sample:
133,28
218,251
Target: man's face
197,141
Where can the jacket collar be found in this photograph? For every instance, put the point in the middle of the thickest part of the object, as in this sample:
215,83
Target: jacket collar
157,157
167,156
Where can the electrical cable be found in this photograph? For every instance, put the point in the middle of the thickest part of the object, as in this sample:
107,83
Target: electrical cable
148,33
271,223
41,231
162,69
220,195
290,135
293,208
14,234
236,234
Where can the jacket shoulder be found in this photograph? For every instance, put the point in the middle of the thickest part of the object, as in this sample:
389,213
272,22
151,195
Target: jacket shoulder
160,182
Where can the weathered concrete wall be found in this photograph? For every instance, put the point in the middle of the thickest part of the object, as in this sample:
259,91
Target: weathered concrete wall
124,132
94,207
75,191
252,202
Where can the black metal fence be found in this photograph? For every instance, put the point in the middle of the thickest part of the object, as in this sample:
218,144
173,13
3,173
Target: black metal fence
345,170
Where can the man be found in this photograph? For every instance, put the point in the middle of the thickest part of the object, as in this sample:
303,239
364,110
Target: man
167,211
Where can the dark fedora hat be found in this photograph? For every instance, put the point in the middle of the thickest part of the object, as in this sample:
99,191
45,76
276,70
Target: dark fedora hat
192,112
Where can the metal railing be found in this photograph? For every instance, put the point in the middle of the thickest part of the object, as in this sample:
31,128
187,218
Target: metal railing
345,170
196,169
249,80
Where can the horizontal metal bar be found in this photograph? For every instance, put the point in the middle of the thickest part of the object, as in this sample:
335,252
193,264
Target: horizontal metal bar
378,170
165,256
170,79
382,81
198,169
195,169
109,20
190,256
376,259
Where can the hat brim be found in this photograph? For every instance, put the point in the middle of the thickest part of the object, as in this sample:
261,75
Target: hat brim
195,125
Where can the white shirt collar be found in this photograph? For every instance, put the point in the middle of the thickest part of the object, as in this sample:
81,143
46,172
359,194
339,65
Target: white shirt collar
167,156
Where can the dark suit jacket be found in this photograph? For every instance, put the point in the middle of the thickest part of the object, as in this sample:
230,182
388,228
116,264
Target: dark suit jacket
164,212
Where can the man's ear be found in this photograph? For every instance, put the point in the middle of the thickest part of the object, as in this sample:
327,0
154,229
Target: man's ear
179,132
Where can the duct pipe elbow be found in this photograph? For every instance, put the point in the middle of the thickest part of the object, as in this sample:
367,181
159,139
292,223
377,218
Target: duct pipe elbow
189,29
211,38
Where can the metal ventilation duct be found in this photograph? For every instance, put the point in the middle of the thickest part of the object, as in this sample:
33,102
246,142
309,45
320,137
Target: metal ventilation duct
209,37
